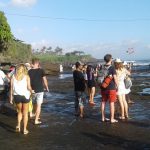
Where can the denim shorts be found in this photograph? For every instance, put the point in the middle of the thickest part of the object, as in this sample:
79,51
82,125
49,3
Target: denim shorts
38,98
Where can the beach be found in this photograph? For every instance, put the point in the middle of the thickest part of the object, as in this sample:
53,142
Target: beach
61,130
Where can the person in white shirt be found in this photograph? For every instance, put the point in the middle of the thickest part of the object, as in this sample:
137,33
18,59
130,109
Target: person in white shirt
20,92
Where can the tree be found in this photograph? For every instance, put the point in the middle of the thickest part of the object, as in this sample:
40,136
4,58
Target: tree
5,33
58,50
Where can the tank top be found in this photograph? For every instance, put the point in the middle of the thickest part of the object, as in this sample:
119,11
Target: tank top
20,87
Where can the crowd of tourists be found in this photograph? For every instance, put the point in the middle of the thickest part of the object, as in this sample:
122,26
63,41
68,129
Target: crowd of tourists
27,84
113,82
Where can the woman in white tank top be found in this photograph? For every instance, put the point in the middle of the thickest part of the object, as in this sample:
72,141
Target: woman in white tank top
20,92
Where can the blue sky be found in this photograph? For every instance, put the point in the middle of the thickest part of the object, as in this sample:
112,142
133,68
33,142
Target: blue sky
96,27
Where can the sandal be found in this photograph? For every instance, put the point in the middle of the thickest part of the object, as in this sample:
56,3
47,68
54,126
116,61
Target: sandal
37,122
32,116
122,117
92,103
81,116
26,132
105,120
17,129
113,121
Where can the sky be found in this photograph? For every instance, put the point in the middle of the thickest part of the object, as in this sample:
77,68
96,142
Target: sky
97,27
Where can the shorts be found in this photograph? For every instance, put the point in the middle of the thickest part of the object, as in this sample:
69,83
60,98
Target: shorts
38,98
109,95
91,84
80,98
20,99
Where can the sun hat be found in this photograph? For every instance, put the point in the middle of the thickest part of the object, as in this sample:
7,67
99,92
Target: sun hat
118,60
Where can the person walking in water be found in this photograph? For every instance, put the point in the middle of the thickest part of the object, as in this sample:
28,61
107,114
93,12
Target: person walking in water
20,91
109,93
38,81
79,87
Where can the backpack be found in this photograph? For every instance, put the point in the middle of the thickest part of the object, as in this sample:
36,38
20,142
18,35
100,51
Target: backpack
103,79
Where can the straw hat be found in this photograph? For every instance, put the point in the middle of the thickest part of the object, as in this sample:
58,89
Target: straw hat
118,60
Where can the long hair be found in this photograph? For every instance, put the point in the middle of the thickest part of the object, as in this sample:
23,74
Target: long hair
118,66
21,71
89,72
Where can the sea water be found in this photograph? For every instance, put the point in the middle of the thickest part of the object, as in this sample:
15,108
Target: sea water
141,65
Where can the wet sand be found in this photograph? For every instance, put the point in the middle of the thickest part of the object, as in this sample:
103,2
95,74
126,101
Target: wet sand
61,130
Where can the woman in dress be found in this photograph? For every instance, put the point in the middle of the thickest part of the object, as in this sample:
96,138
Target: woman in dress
20,92
121,92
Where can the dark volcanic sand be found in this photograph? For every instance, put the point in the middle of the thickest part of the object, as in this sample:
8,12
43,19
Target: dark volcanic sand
62,131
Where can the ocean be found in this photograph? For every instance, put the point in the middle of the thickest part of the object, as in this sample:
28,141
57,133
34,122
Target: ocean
143,65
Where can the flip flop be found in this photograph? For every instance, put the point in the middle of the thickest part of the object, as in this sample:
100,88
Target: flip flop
37,122
92,103
26,132
113,121
122,118
17,129
106,120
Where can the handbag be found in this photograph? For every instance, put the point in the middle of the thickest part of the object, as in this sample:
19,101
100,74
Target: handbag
106,81
127,82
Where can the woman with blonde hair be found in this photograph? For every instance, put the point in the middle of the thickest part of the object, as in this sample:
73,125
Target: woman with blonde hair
20,92
121,92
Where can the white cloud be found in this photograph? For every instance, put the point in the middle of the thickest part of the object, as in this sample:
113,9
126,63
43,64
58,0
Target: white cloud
98,50
40,44
23,3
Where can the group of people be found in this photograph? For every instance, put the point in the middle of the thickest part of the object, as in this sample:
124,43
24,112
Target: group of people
27,84
110,78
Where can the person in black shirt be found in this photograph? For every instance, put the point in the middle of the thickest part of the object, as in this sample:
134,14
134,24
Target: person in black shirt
79,88
38,82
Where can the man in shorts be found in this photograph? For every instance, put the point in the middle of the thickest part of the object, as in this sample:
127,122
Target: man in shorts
109,93
79,87
38,82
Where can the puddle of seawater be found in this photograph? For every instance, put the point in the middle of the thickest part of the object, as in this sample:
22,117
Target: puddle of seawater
52,96
64,76
141,75
146,91
44,126
63,105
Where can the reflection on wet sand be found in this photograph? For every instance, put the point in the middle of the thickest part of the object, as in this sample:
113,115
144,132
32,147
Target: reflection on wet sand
61,130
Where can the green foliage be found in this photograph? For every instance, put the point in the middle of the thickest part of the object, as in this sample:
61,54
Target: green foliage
5,33
19,51
10,48
62,58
